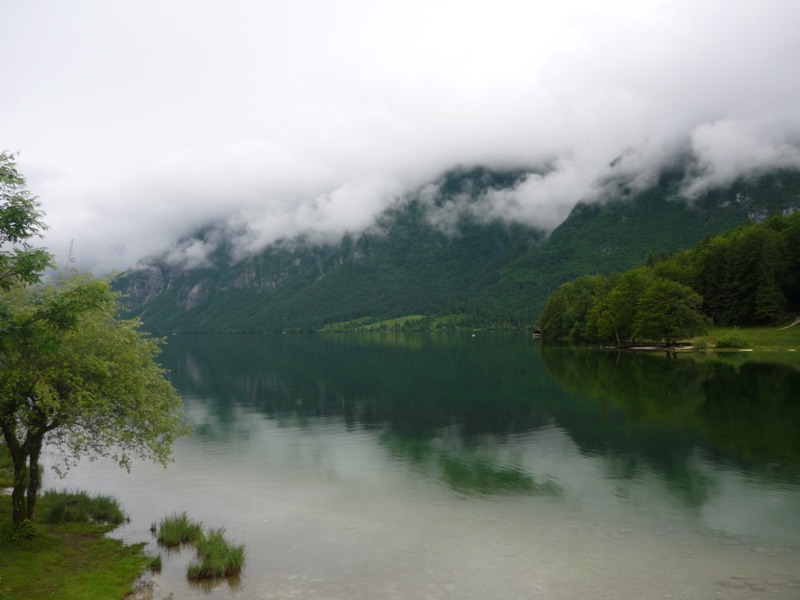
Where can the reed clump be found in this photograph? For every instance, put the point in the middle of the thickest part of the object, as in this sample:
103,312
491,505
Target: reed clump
80,507
178,529
154,564
217,557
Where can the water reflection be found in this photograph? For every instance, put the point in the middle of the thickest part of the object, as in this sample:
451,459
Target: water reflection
346,463
468,411
746,413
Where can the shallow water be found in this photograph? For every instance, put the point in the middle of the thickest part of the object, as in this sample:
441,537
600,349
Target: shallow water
422,466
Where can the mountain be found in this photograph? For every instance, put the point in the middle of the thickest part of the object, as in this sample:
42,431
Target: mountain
411,270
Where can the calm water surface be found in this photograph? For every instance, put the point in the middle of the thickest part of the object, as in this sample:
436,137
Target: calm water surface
451,466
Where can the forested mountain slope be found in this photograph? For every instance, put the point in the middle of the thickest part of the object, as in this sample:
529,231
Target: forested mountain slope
471,274
747,276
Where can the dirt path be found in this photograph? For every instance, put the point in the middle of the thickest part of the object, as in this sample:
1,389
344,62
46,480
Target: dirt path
796,321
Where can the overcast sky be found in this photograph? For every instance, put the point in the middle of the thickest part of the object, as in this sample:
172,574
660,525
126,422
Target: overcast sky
138,121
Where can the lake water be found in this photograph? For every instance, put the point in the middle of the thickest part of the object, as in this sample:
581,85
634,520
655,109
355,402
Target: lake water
424,466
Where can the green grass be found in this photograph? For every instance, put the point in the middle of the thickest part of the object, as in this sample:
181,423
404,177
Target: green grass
218,558
393,324
69,561
80,507
373,324
758,339
154,564
178,529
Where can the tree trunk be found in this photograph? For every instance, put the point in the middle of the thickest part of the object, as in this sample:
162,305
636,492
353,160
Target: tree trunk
18,505
34,479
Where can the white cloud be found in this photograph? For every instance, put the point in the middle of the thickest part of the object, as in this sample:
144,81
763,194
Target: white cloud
350,208
724,149
139,122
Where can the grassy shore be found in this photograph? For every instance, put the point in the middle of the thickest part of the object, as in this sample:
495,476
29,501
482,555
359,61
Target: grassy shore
783,338
66,560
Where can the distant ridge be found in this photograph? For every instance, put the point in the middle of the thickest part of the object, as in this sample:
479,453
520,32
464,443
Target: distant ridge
471,274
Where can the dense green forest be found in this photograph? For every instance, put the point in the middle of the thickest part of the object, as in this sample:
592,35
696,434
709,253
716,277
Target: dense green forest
406,272
748,276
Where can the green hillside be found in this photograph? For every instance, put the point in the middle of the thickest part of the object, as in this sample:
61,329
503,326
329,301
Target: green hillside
480,275
747,276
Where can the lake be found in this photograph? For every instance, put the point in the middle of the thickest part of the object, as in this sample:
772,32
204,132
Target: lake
389,466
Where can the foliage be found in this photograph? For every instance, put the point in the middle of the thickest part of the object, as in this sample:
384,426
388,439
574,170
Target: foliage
668,311
20,220
68,507
733,342
636,305
743,277
566,313
751,274
217,557
71,371
490,274
178,529
18,530
75,374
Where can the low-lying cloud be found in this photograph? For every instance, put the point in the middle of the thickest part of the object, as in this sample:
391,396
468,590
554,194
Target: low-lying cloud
139,124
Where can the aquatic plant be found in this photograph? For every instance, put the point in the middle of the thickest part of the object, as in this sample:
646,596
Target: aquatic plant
217,557
154,565
178,529
80,507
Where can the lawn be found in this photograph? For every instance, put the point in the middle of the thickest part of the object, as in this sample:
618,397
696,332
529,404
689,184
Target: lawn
781,338
66,561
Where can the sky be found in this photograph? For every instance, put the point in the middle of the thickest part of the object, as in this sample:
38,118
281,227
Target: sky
137,122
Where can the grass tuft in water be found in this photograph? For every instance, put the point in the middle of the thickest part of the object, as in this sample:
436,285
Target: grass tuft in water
80,507
218,558
154,564
179,529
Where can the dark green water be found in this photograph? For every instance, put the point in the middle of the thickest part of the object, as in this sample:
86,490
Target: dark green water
494,466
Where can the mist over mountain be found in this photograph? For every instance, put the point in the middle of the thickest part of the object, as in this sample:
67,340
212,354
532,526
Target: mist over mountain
446,255
141,124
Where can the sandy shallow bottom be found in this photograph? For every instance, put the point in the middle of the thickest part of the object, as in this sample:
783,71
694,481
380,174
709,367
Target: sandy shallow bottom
325,542
459,552
329,514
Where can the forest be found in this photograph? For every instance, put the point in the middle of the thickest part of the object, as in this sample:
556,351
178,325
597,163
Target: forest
748,276
408,273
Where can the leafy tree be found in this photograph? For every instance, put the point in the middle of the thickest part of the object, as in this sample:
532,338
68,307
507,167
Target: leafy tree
566,312
75,375
614,314
749,275
20,220
669,311
71,372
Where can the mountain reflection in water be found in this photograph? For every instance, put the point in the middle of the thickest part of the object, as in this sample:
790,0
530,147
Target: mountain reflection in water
534,470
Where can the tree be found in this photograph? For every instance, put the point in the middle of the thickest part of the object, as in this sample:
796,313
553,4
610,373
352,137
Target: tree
72,373
612,316
669,311
566,312
75,375
20,220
